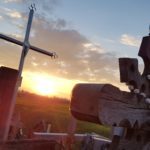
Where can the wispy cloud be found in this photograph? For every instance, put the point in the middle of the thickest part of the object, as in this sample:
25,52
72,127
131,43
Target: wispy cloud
1,17
93,47
34,64
10,13
14,14
79,58
17,36
129,40
10,1
45,7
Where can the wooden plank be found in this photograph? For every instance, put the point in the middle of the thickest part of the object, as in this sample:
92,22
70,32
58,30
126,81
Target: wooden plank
84,102
8,81
108,105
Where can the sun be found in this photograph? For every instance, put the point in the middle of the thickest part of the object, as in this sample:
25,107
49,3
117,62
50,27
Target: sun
39,83
43,86
47,85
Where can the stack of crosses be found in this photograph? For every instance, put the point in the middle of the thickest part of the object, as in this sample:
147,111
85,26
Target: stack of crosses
126,112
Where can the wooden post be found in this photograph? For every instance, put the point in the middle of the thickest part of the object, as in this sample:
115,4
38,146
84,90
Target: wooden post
8,82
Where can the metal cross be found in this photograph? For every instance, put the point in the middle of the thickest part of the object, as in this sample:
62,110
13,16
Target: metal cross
10,84
25,44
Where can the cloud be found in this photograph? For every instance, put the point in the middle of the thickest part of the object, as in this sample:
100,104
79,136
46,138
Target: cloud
10,1
17,36
14,14
10,14
93,47
78,57
17,18
9,54
129,40
1,18
45,8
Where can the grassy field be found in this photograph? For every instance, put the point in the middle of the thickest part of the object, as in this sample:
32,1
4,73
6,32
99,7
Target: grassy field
34,108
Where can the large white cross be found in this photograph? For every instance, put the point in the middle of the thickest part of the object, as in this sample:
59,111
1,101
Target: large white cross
9,79
25,44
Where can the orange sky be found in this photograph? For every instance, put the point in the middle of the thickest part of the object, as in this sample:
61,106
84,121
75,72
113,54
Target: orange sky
44,84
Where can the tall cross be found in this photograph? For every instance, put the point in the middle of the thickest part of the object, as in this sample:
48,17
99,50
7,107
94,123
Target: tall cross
9,79
26,44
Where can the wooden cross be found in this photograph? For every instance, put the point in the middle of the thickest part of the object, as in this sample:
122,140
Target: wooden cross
138,83
10,79
127,112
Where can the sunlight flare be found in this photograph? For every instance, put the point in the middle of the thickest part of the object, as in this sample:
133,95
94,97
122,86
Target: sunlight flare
47,85
44,85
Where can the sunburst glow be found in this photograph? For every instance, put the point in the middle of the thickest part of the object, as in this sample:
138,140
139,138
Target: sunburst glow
44,84
41,84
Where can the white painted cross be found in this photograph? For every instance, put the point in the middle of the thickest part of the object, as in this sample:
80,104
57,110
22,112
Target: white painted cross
26,45
9,79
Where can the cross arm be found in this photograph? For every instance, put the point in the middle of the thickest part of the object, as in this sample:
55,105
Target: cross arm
12,40
107,105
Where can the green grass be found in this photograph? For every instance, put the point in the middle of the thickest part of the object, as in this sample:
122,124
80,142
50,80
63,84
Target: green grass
35,108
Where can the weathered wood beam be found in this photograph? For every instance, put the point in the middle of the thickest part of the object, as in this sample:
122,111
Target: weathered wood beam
107,105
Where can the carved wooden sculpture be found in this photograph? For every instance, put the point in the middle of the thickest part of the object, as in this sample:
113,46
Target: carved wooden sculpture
127,112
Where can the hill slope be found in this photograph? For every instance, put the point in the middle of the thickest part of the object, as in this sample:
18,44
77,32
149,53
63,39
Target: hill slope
34,108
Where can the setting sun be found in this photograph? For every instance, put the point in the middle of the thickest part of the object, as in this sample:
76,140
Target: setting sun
44,84
39,83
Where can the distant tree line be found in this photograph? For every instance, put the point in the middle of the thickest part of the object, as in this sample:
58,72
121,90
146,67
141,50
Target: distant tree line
33,96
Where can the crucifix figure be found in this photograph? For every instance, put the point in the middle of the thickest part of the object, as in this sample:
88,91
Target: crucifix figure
10,79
